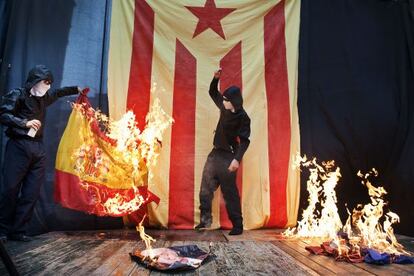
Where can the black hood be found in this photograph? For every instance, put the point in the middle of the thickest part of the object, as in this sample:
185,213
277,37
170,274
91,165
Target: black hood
36,74
233,93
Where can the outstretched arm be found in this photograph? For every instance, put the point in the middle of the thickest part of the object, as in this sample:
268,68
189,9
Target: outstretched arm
55,94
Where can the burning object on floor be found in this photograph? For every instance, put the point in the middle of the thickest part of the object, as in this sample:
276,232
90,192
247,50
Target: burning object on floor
186,257
367,235
175,258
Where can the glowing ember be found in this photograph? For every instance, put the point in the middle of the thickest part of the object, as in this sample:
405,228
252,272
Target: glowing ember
119,155
363,229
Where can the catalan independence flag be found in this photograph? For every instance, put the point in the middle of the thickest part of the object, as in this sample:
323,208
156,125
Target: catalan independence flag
169,50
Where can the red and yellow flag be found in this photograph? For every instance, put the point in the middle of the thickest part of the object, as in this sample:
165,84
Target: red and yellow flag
169,50
93,174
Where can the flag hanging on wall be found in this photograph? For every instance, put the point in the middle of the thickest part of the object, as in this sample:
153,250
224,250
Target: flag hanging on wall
169,50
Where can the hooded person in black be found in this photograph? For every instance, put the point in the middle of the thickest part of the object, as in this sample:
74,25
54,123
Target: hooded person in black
231,140
23,111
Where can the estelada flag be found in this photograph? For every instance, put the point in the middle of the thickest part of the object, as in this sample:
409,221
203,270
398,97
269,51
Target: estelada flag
169,50
91,175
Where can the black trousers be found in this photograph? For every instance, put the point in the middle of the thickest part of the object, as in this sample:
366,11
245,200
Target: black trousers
216,174
23,175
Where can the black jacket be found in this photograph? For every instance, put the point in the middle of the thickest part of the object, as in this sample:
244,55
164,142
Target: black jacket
19,106
233,129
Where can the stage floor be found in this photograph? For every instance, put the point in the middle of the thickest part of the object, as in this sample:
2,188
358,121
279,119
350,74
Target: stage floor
257,252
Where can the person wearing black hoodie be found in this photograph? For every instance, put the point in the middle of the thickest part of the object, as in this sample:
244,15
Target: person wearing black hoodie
231,141
23,111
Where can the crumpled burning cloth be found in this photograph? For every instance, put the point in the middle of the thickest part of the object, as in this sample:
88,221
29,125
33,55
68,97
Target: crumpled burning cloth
327,250
375,257
370,256
175,258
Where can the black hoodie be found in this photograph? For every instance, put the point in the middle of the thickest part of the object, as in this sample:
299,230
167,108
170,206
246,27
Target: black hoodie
19,106
233,128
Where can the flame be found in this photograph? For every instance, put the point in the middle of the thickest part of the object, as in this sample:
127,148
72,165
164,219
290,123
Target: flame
148,240
363,228
365,223
321,187
122,157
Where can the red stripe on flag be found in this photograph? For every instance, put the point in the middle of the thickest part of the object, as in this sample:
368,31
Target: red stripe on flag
71,193
141,62
277,91
181,195
232,75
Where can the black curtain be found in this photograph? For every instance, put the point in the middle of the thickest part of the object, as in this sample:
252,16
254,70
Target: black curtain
356,102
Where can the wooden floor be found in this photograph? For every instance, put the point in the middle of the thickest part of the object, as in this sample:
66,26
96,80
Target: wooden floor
258,252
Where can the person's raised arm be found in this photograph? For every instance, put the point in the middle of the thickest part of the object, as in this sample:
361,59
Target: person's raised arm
213,91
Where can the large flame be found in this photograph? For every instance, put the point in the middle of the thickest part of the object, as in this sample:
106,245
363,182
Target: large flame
321,184
363,228
121,155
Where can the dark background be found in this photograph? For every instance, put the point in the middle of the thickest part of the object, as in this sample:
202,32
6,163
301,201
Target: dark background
355,97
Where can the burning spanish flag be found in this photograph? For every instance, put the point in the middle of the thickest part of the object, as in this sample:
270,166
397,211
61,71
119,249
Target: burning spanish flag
103,166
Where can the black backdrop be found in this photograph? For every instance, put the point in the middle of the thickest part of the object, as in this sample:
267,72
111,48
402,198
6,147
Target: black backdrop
356,85
356,96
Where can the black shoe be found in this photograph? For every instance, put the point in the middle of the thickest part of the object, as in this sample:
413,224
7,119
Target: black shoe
3,238
236,231
20,237
202,226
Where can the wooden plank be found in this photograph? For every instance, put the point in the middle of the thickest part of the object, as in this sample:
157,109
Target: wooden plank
120,234
112,262
71,256
293,262
255,235
88,259
57,258
392,269
327,262
255,258
312,264
36,260
15,249
187,235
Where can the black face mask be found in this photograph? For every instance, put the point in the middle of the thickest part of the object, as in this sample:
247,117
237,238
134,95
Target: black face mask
233,95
